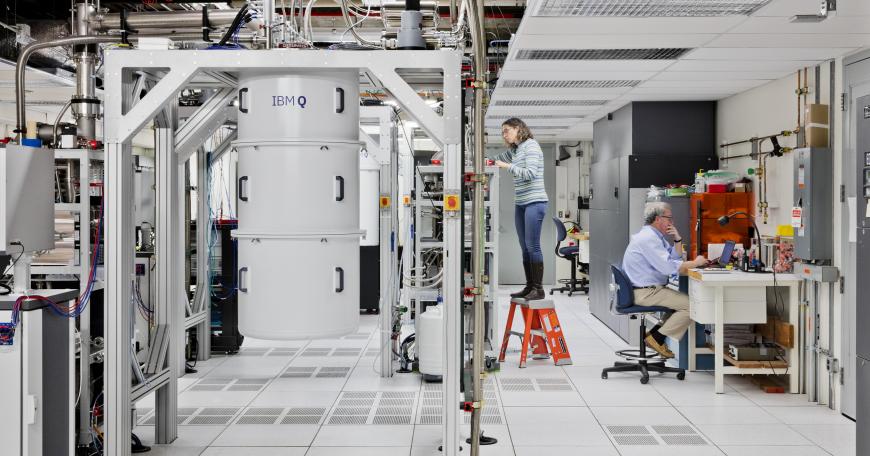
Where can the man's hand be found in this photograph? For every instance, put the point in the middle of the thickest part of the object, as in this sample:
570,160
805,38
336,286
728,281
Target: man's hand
672,230
502,164
700,261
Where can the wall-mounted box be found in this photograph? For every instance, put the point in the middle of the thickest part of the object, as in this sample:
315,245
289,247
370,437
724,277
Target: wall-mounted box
26,199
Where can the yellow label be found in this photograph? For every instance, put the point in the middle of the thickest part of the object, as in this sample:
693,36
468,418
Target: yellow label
385,202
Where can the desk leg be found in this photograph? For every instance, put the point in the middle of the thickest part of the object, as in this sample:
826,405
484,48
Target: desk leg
794,356
692,355
719,354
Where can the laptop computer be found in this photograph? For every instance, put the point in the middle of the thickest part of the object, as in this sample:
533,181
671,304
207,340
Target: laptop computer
723,260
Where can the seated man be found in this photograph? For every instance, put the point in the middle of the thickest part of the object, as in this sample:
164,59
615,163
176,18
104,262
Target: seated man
649,261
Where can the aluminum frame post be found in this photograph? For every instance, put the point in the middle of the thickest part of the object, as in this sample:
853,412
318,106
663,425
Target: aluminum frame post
202,300
119,241
84,413
453,344
168,275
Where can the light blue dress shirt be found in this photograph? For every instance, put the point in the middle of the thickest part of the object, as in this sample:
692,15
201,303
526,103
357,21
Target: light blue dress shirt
650,259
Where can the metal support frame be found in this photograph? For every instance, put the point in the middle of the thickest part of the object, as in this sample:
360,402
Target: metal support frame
386,149
123,121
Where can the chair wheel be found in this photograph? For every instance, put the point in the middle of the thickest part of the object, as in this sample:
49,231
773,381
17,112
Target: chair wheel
604,375
551,292
644,380
570,293
681,376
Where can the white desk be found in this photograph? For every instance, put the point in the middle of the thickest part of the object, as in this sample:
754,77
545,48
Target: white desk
739,307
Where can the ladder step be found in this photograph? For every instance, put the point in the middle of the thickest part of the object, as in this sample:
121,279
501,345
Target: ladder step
538,332
517,333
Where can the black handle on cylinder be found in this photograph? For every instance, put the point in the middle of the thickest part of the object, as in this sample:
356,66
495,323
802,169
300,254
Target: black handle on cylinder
339,93
243,270
242,180
340,286
242,91
340,196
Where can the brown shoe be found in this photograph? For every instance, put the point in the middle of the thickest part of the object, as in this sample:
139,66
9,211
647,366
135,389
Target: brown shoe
659,348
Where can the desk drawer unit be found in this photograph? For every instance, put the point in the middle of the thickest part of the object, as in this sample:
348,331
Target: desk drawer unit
742,304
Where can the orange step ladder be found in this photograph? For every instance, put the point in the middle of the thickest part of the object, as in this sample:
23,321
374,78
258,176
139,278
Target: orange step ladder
542,332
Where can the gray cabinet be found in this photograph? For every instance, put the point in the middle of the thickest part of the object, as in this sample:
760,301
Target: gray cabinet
862,368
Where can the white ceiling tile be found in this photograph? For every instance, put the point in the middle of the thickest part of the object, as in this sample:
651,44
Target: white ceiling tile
740,65
588,75
788,8
681,90
791,40
626,25
673,75
737,84
675,97
610,41
766,53
575,94
833,24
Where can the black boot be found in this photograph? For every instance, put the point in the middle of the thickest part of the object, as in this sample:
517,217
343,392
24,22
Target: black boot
537,291
528,287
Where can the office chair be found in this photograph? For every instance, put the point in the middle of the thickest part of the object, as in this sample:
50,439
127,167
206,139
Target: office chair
622,303
570,253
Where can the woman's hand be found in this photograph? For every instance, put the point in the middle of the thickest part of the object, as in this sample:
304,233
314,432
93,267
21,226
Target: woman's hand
502,164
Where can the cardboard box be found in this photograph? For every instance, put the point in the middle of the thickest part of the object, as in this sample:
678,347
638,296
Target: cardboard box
741,187
817,114
817,136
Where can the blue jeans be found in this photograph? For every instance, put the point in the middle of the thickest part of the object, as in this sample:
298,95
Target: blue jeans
528,220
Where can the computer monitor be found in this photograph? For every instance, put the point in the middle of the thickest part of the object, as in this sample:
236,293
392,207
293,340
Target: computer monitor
727,252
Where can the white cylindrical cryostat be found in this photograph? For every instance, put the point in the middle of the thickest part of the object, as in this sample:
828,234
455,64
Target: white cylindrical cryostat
298,190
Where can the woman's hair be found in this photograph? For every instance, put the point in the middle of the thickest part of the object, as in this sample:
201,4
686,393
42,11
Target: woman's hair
523,132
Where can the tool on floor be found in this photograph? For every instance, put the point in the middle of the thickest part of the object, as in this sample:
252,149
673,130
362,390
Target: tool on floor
542,332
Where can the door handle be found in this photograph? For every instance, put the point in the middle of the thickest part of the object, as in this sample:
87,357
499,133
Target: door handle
340,190
340,287
240,192
242,107
242,274
339,100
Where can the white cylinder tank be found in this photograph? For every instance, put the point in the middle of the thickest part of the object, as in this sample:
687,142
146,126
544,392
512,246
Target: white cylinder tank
430,346
298,191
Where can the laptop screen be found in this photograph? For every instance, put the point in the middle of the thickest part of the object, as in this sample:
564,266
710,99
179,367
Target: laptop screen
727,251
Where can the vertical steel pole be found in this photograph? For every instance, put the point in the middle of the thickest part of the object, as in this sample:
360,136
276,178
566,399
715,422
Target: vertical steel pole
478,219
84,407
453,339
202,301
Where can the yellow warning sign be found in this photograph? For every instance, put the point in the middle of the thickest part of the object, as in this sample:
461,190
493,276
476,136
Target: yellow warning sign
451,202
385,202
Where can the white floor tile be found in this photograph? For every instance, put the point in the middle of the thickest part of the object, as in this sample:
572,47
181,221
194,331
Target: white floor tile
254,435
541,399
606,450
306,384
727,415
249,451
175,450
756,434
638,416
777,400
220,398
364,451
814,414
774,450
838,440
188,436
554,426
493,450
364,435
643,396
709,398
429,437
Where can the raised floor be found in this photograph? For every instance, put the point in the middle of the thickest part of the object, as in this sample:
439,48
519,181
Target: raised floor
325,397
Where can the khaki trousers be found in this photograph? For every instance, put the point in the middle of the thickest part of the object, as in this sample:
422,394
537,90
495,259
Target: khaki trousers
675,325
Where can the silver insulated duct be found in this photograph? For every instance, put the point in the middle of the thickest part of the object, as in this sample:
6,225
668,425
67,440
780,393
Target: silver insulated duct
298,190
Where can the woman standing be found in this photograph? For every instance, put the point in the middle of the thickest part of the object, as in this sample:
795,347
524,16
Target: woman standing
525,161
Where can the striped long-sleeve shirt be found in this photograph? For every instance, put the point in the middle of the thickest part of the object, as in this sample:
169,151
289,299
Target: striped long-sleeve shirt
527,169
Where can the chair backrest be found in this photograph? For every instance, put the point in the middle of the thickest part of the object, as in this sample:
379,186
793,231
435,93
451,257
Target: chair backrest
561,232
621,290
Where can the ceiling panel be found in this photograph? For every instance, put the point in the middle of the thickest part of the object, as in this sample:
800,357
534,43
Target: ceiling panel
671,75
626,25
600,75
833,24
736,84
741,65
589,94
788,8
766,53
793,40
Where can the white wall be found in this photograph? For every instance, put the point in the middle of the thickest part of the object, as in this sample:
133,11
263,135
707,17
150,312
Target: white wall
766,110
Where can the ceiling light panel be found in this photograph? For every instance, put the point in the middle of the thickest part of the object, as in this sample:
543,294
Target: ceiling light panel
649,8
602,54
569,84
550,102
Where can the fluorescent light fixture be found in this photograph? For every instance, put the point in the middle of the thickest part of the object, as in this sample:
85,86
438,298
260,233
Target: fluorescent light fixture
602,54
649,8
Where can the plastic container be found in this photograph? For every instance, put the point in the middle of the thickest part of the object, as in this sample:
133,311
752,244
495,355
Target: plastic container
430,346
717,188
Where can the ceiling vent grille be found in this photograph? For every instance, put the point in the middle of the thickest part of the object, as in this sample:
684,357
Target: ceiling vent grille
580,84
649,8
602,54
550,102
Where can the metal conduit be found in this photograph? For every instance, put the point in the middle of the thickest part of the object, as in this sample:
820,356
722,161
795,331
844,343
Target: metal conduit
21,67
